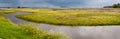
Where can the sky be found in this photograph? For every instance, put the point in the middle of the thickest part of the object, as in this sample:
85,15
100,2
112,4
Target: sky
58,3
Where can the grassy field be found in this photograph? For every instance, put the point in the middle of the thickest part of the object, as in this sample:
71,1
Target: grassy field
9,30
73,17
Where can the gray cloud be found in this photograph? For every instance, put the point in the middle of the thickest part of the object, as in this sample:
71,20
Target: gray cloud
10,3
57,3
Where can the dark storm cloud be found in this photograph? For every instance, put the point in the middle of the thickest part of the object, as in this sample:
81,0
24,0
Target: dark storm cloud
10,3
58,3
53,3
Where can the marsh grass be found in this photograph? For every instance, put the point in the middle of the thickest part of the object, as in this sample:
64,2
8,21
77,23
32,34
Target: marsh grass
8,10
37,33
73,17
9,30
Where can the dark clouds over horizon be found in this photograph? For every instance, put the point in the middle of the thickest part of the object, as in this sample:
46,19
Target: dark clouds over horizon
57,3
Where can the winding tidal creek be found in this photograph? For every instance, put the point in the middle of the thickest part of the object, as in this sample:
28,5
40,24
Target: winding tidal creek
76,32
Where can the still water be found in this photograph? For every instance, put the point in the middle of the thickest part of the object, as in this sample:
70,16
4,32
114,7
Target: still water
78,32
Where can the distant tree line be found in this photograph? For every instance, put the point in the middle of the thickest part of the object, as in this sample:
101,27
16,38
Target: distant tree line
113,6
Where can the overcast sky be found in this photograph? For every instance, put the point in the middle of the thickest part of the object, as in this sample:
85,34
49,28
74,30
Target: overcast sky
57,3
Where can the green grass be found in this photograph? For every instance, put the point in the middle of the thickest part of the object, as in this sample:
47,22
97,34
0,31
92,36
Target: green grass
9,30
72,17
37,33
11,10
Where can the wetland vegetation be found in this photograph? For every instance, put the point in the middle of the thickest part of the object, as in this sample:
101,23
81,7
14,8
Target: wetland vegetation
59,19
9,30
73,17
